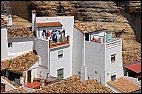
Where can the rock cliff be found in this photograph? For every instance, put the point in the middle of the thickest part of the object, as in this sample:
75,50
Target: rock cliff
115,16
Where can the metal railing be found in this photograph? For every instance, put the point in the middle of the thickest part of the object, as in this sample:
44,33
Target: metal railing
114,42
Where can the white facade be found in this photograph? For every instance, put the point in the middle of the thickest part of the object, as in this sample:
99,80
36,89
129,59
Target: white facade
95,61
50,55
9,20
8,86
41,46
37,71
4,46
97,56
20,45
77,51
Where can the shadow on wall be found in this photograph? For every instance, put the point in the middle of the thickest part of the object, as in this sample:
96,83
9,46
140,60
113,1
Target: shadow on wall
134,19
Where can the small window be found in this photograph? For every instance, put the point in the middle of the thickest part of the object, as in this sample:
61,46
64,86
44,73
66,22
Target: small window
9,44
113,77
113,58
60,54
87,36
60,73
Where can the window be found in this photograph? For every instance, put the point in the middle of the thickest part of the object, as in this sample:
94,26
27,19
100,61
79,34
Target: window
87,36
113,77
60,54
10,44
60,73
113,58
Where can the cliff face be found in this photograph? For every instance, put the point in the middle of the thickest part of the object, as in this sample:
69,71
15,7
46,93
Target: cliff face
108,13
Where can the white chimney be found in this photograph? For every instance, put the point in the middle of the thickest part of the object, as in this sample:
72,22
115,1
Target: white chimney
33,20
9,20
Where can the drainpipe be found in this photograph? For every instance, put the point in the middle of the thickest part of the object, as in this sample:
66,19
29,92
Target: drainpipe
84,50
49,57
83,67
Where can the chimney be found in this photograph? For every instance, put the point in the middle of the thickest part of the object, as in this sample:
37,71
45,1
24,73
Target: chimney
9,21
34,20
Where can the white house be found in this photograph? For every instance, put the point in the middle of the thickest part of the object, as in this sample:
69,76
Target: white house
97,55
7,84
58,33
14,39
20,39
101,53
4,47
24,68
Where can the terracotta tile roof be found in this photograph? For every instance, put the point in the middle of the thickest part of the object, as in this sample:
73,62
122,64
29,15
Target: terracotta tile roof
11,82
87,27
20,32
49,24
20,63
124,85
74,85
19,90
3,22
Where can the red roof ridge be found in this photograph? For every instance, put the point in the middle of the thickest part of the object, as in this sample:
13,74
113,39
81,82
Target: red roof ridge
49,24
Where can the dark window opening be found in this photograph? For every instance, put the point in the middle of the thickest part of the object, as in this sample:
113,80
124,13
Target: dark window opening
10,44
2,87
3,73
87,36
113,58
60,73
60,54
113,77
29,76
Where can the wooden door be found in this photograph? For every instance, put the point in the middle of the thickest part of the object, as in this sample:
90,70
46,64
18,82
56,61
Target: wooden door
29,76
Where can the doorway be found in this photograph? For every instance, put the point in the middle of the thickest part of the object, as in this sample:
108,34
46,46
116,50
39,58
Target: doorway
29,76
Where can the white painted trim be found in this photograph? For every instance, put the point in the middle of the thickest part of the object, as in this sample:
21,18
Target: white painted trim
8,83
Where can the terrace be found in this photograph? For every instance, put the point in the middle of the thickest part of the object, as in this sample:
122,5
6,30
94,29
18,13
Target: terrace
60,43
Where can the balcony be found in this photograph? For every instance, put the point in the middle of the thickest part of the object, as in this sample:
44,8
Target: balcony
60,43
113,42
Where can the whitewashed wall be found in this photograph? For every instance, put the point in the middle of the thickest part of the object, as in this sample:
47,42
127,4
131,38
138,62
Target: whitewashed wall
114,68
20,45
95,60
57,63
77,51
42,72
8,86
66,62
37,71
4,45
42,49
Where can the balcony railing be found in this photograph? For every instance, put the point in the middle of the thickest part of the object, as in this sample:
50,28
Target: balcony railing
114,42
60,43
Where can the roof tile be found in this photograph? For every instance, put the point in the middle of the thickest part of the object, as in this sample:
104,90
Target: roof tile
87,27
20,63
49,24
124,85
20,32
